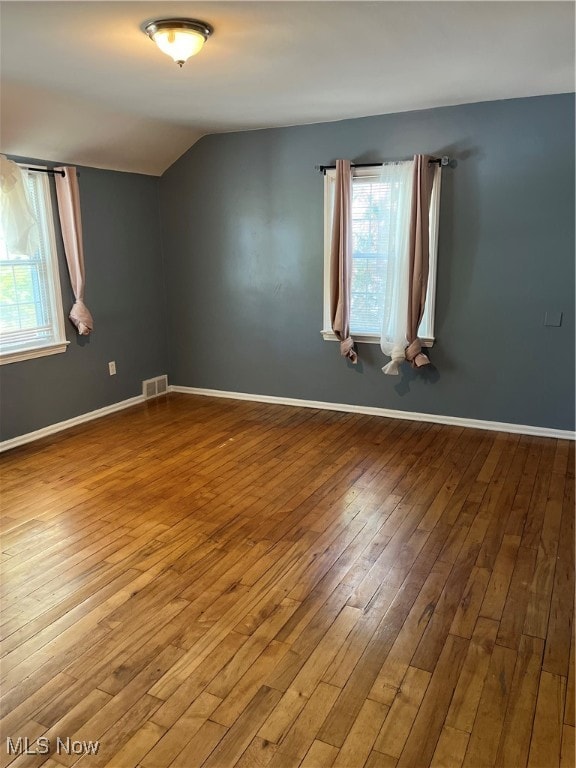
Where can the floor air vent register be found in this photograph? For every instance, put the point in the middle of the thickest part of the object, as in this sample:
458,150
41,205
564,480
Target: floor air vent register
155,387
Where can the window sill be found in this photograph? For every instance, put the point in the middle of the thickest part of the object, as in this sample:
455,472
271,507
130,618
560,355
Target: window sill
368,338
29,354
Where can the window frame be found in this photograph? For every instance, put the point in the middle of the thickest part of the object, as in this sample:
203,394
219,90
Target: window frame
429,311
59,342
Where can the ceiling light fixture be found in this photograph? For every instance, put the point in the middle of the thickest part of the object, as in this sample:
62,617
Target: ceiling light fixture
178,38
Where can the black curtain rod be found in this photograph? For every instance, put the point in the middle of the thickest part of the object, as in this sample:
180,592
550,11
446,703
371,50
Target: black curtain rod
445,160
44,170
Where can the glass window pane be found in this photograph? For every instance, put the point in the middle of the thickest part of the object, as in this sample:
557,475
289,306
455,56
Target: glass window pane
9,318
30,307
7,286
370,220
24,282
28,316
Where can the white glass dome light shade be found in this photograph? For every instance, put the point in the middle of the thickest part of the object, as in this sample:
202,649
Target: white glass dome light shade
178,38
180,44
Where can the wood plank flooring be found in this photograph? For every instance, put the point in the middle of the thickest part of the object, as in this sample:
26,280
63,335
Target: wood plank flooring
205,582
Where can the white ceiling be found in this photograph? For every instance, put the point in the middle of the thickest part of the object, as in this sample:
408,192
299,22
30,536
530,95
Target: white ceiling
81,83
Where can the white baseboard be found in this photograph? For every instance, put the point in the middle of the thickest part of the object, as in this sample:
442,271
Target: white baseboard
5,445
456,421
495,426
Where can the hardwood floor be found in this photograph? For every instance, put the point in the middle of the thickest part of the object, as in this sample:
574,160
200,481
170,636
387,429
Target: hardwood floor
204,582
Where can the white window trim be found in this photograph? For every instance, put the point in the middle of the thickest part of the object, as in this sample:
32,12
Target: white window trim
373,338
61,343
30,354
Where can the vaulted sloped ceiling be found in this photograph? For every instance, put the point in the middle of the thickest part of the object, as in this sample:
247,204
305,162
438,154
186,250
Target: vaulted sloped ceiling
81,83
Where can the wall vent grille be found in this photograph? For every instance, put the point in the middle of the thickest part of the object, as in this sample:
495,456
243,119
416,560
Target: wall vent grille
155,387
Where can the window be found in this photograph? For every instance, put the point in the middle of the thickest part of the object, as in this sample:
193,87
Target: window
31,317
373,221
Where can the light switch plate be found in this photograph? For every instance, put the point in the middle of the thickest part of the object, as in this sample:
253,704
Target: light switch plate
553,319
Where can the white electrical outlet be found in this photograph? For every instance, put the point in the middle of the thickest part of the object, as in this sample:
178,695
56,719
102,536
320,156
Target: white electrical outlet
112,368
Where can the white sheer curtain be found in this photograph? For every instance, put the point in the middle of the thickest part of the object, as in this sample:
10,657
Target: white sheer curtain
395,231
17,221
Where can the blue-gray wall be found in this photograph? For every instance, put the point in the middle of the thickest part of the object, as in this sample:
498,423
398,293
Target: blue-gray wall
125,293
240,266
243,247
